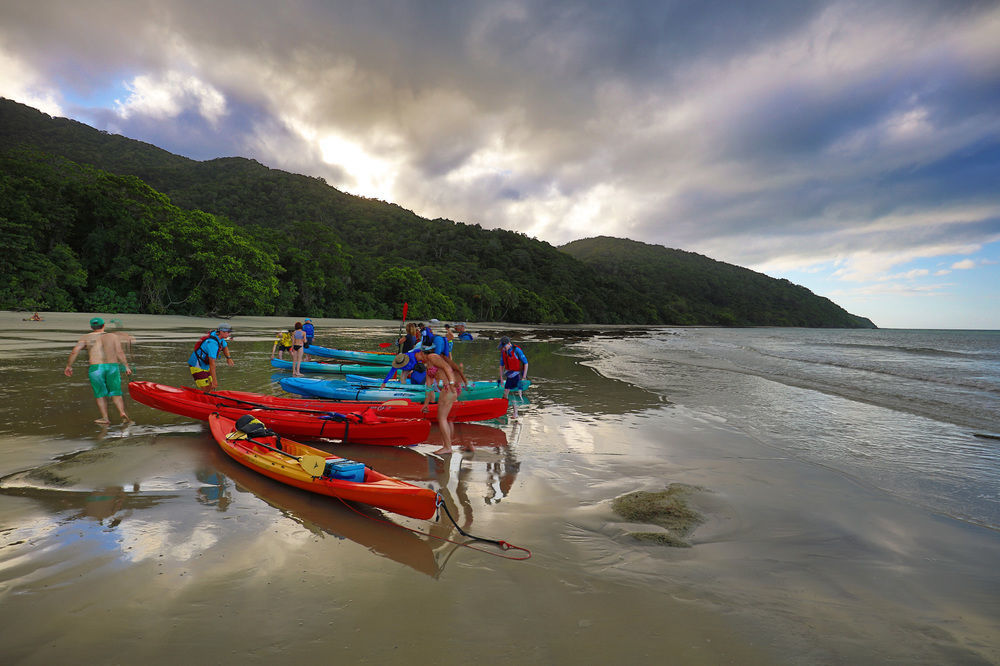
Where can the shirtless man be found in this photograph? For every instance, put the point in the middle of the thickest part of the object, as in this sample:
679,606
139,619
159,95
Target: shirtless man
438,368
105,353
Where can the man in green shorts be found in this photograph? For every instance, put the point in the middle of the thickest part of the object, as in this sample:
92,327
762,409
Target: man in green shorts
105,353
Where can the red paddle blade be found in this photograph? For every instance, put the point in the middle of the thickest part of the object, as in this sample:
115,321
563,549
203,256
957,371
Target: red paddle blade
383,345
405,308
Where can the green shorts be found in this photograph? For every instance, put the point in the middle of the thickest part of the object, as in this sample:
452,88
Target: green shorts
105,379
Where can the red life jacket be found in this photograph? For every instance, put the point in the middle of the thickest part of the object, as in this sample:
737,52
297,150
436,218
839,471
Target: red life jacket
510,360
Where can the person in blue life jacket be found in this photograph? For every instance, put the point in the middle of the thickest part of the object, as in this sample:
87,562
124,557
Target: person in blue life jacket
310,331
438,344
461,333
411,370
513,368
202,360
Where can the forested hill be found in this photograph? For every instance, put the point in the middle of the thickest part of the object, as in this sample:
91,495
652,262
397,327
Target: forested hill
96,221
690,287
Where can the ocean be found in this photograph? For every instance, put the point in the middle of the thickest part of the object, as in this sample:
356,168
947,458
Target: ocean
915,413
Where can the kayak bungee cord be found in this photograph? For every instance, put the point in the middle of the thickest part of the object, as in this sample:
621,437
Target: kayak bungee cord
503,545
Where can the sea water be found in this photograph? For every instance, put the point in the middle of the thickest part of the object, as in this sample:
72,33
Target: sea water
915,413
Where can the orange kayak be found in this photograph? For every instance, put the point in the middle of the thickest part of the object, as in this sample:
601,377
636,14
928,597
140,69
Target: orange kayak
330,423
320,472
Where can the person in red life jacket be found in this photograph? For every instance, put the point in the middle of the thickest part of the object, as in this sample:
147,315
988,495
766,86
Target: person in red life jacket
513,368
202,360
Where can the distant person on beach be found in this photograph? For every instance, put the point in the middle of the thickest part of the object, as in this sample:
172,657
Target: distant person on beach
461,332
439,370
202,360
282,343
106,357
34,317
298,348
513,368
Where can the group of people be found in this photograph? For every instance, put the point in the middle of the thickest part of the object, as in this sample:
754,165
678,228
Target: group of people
425,359
296,342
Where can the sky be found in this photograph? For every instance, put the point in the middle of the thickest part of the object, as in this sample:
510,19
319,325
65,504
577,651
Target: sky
850,147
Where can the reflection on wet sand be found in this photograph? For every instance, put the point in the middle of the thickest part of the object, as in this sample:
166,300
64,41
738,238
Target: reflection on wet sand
360,524
99,504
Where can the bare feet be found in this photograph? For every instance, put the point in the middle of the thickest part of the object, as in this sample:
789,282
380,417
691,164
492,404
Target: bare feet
443,450
102,421
126,421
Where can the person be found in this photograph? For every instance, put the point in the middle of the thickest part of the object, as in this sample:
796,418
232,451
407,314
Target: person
106,357
202,360
513,368
298,347
463,334
310,332
409,367
35,317
439,370
282,343
410,339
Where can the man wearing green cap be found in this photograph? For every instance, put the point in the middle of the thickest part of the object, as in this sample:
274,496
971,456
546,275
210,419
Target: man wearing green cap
105,354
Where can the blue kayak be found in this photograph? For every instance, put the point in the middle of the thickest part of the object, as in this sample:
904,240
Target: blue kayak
419,388
330,368
370,358
340,390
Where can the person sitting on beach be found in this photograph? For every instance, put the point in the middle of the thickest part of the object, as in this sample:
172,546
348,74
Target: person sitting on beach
411,370
34,317
282,343
106,357
202,360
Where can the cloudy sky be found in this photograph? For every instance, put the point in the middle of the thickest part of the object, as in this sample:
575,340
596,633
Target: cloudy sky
852,147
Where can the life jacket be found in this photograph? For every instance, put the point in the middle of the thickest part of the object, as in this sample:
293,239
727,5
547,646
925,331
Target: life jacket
510,360
203,355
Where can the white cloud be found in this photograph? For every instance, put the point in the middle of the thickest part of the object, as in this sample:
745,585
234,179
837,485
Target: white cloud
964,265
19,81
168,95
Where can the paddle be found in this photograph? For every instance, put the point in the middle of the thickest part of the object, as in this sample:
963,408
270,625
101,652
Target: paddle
386,345
312,464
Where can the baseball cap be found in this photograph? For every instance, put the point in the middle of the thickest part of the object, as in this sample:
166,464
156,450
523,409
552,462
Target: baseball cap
400,361
225,327
96,322
504,341
308,319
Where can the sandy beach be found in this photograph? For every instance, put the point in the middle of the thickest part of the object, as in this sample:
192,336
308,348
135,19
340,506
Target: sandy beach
147,544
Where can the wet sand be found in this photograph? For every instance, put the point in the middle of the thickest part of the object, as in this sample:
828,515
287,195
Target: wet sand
148,544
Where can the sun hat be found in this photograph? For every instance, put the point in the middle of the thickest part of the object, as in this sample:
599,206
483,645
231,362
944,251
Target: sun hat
504,341
96,322
400,361
435,321
225,327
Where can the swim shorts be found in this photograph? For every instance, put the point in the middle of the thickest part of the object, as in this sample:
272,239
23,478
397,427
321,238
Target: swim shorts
105,379
202,378
513,382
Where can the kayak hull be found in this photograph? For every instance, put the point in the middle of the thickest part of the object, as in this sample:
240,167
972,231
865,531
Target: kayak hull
381,431
318,367
375,489
370,358
422,388
340,390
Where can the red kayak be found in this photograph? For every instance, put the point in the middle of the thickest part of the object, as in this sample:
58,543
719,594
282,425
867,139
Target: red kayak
318,471
360,427
469,410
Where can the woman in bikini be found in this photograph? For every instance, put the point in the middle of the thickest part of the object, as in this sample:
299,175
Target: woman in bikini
298,343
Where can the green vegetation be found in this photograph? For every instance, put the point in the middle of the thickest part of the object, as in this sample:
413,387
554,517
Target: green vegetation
100,222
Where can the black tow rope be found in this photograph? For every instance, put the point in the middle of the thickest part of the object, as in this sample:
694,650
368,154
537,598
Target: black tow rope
503,545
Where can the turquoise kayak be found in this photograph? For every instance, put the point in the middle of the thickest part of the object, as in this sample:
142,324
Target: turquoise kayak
370,358
420,388
330,368
340,390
